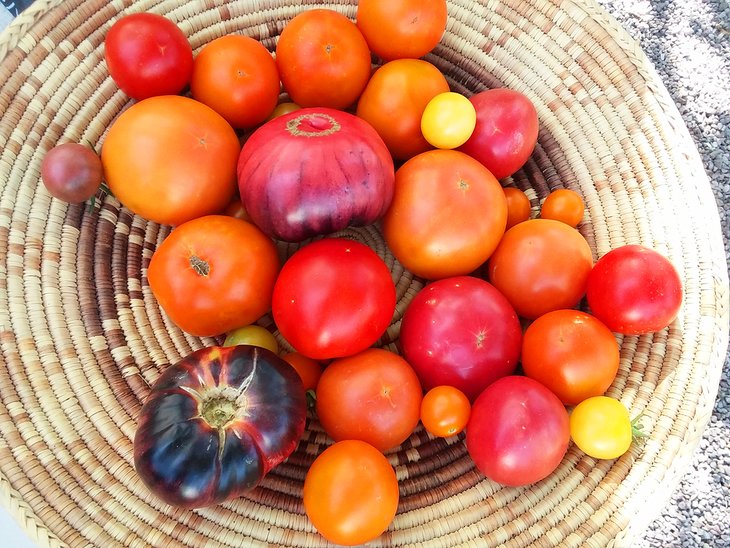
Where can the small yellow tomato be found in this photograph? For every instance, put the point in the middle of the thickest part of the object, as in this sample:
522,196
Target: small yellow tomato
601,427
254,335
283,108
448,120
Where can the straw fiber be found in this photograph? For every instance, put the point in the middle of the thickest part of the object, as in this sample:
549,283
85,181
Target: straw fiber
82,337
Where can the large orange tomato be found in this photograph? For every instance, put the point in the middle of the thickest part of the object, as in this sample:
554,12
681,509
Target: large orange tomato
171,159
394,100
323,59
447,215
214,274
395,29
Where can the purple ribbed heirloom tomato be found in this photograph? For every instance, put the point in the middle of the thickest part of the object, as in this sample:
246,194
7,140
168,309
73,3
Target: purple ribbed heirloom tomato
216,423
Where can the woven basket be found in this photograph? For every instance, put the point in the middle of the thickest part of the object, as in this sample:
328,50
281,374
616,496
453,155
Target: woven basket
82,337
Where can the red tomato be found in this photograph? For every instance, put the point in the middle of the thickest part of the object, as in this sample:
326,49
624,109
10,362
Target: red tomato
373,396
445,411
334,297
171,159
460,332
572,353
541,265
395,29
563,205
148,55
506,131
237,77
351,493
634,290
323,59
447,215
518,432
518,206
214,274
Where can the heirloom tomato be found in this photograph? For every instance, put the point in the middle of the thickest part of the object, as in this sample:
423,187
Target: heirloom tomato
334,297
373,396
71,172
445,411
171,159
323,59
447,215
396,29
634,290
602,428
448,120
572,353
217,422
518,431
541,265
460,332
351,493
214,274
563,205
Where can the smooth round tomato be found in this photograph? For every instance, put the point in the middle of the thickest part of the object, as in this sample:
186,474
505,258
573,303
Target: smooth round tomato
171,159
323,59
253,335
396,29
148,55
448,120
563,205
309,370
460,332
214,274
506,130
373,396
283,108
334,297
572,353
351,493
541,265
447,215
518,431
445,411
519,208
394,100
71,172
237,77
634,290
601,427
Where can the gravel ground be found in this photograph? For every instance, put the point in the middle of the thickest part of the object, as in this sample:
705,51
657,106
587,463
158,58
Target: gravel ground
688,41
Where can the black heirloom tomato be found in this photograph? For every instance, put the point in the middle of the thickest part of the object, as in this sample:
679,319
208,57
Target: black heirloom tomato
216,422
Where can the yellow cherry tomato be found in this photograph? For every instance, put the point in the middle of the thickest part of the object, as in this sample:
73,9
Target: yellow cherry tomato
283,108
448,120
601,427
254,335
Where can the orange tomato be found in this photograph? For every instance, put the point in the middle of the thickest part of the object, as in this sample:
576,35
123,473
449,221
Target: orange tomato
396,29
171,159
394,100
563,205
214,274
445,411
309,370
518,206
351,493
323,59
237,77
447,215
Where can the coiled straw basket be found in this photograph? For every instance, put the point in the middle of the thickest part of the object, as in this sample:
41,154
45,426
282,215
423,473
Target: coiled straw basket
82,337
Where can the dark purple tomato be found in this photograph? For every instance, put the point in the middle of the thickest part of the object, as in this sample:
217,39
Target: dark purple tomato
71,172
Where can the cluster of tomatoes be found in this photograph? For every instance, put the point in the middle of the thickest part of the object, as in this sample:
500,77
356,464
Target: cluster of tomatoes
495,343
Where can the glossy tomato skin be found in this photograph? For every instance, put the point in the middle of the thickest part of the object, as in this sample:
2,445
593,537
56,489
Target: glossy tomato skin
634,290
333,298
541,265
148,55
71,172
171,159
461,332
217,422
214,274
518,431
506,130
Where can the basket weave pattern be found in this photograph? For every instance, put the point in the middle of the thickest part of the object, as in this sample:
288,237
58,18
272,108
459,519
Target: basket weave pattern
82,337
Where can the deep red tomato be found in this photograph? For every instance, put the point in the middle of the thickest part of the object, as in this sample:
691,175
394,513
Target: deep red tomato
447,215
634,290
506,131
541,265
460,332
334,297
518,431
148,55
237,77
214,274
71,172
572,353
373,396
